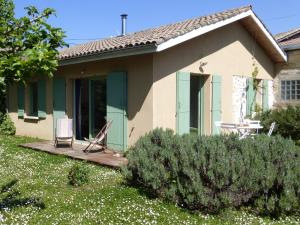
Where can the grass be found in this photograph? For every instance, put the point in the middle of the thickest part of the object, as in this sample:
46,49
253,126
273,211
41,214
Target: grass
34,189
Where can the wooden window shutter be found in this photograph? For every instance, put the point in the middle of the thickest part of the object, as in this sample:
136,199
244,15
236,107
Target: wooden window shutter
216,102
265,102
182,102
250,97
116,110
42,98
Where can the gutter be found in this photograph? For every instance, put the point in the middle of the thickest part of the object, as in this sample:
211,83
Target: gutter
291,47
140,50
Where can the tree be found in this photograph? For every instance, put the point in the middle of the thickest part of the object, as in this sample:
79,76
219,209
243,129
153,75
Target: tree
28,45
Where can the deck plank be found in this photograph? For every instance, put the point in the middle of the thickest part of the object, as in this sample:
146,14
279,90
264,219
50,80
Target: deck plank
106,158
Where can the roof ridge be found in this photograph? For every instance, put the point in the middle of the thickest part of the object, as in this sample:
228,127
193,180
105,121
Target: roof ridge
151,36
248,7
285,35
243,8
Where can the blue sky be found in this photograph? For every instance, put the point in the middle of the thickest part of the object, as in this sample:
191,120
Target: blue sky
94,19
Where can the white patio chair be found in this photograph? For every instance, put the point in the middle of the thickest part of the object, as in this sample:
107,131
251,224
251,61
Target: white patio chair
254,125
218,126
271,129
64,131
226,127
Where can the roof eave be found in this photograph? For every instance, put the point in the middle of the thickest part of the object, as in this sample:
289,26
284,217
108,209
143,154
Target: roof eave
291,47
136,50
202,30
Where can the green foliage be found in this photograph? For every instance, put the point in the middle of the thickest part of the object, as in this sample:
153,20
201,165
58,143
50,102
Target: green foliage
39,176
211,173
78,175
287,121
28,45
2,96
7,127
258,108
254,74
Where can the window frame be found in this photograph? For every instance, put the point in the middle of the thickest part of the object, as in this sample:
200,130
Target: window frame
290,90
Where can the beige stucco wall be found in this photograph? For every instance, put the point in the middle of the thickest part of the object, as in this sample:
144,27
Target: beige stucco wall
287,71
140,111
42,128
226,51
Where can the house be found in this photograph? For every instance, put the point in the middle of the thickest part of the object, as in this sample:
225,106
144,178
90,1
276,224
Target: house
287,82
183,76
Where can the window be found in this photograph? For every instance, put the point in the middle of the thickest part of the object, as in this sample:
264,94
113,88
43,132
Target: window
290,89
33,99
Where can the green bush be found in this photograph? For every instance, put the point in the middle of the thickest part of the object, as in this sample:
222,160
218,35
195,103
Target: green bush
7,127
78,175
210,173
287,121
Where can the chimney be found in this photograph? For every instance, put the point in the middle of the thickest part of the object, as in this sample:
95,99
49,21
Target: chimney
124,20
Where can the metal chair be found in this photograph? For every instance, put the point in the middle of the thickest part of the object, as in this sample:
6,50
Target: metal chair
271,129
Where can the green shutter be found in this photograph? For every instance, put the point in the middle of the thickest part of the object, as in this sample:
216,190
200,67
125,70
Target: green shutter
31,100
42,98
59,100
265,95
201,106
216,102
21,100
250,97
117,110
183,102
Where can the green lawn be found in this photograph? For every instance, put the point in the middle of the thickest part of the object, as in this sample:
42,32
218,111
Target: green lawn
34,190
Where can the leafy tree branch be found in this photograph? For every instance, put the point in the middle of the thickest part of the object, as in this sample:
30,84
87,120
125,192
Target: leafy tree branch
28,45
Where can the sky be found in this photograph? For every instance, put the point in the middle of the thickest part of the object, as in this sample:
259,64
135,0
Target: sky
86,20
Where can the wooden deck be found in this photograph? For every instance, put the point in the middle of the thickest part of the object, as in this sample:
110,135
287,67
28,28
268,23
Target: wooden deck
106,158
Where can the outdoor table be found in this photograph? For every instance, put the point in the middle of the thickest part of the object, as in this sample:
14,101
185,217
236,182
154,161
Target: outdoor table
246,129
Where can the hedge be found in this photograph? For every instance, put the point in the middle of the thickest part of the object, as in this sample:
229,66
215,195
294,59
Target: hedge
210,173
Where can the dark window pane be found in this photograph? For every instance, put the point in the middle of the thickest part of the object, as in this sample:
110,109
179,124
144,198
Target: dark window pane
34,99
293,96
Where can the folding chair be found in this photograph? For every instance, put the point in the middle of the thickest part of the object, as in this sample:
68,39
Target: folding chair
271,129
100,138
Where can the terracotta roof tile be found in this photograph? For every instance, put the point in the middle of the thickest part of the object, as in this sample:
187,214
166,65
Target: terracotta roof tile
153,36
286,34
289,38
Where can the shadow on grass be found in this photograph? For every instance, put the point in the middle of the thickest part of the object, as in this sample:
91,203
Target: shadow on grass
11,198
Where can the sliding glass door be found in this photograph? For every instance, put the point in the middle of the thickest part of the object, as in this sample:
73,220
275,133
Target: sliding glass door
97,105
90,106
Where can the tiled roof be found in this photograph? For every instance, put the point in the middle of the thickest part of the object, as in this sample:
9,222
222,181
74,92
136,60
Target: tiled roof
287,34
289,38
153,36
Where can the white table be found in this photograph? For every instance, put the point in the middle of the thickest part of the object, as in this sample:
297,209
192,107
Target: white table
243,130
246,130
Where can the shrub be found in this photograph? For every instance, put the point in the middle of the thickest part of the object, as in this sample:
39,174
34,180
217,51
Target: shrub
210,173
7,127
287,121
78,175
